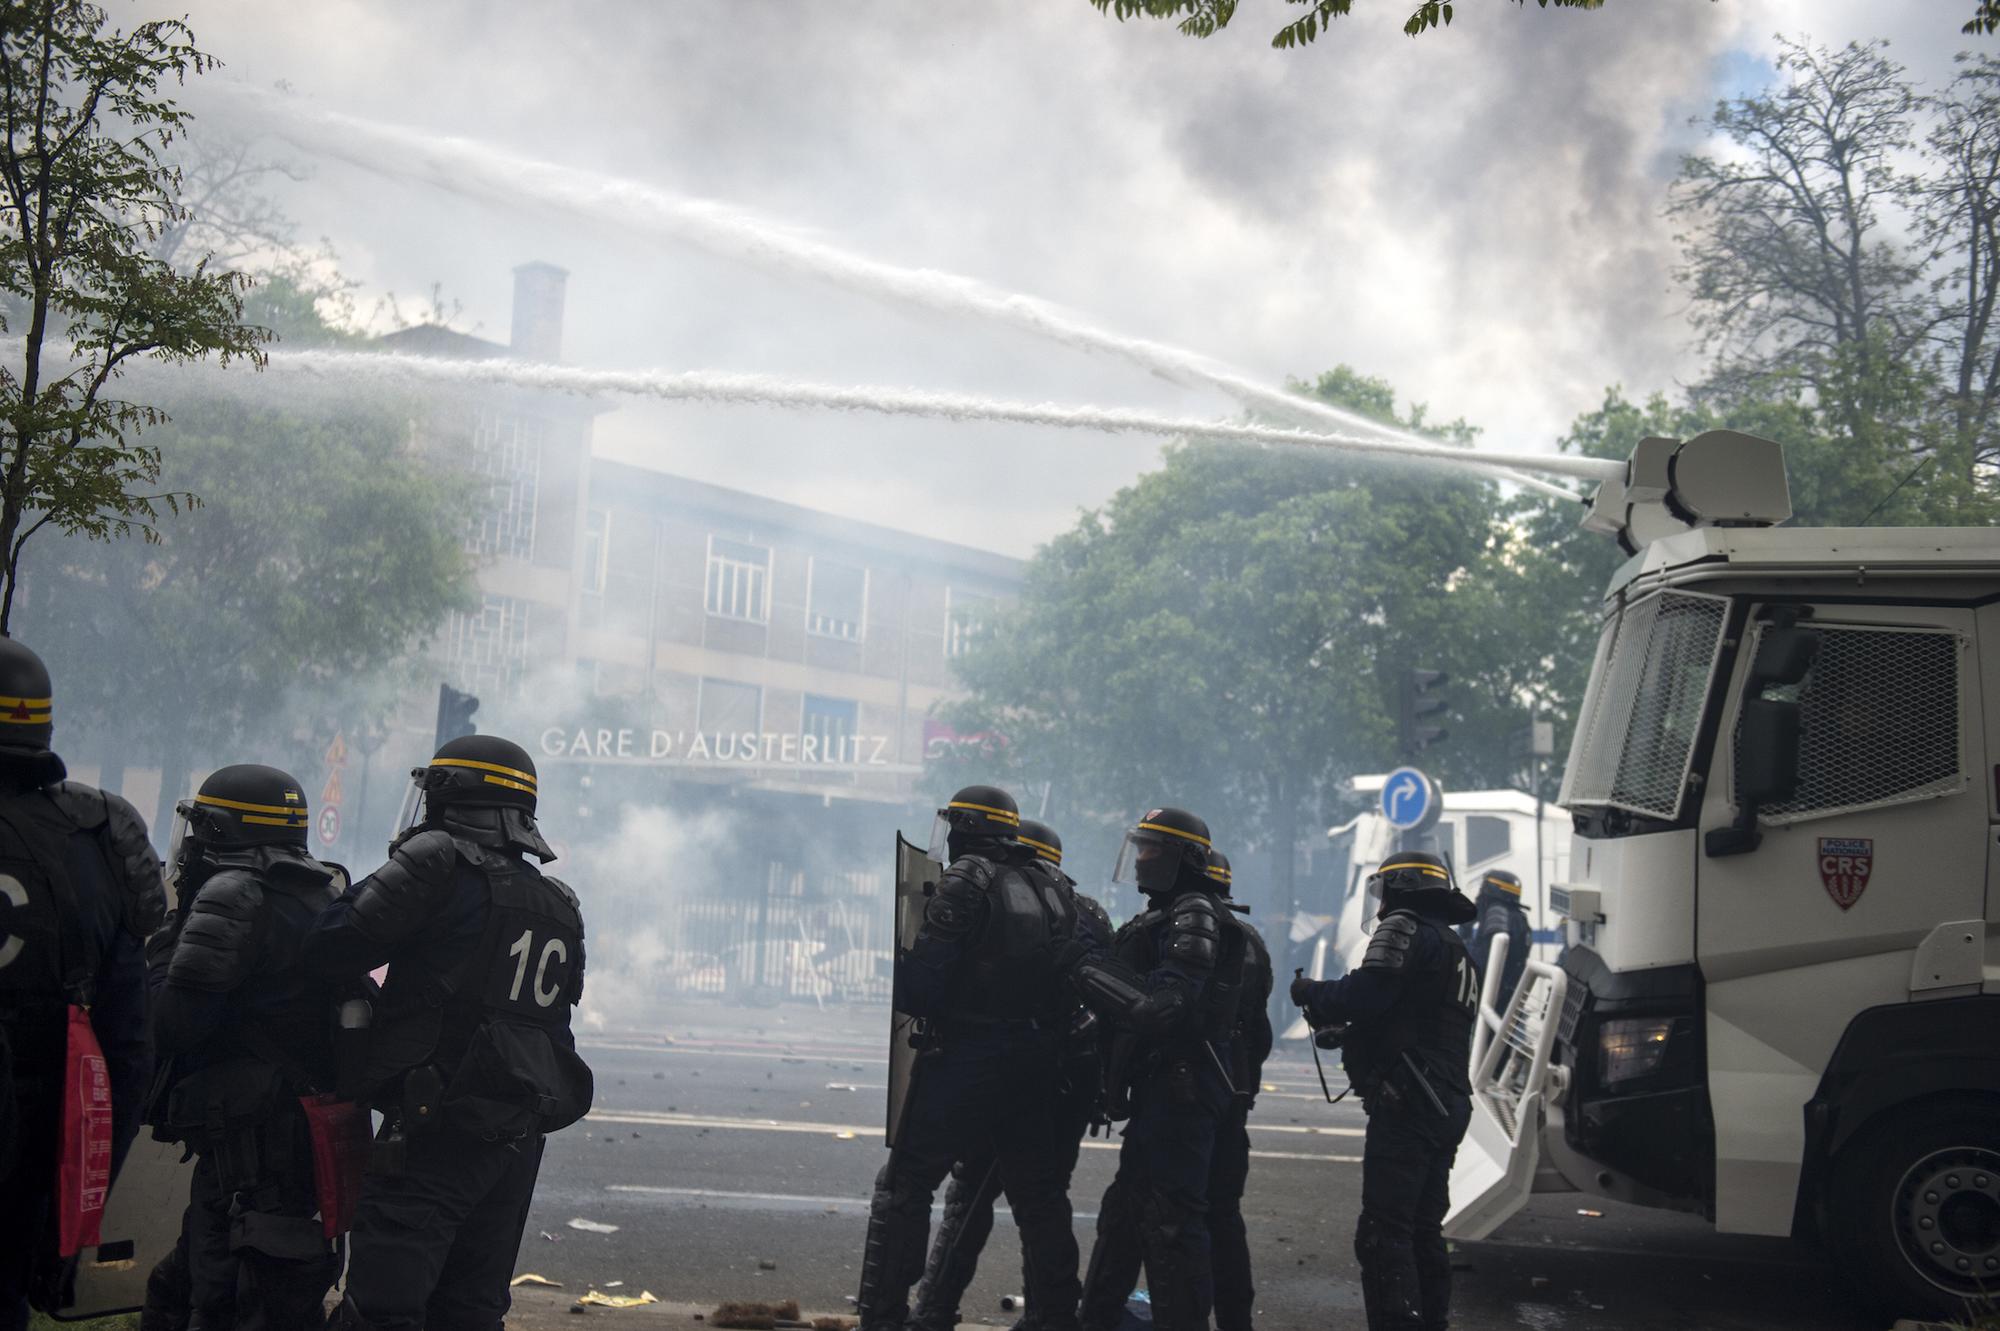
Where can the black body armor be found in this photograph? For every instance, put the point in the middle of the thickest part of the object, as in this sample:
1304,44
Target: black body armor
1431,1020
1011,974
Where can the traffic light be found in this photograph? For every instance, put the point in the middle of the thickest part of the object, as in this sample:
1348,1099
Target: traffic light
1423,707
455,711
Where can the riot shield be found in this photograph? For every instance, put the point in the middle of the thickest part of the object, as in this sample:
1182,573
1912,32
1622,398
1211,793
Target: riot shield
916,874
142,1222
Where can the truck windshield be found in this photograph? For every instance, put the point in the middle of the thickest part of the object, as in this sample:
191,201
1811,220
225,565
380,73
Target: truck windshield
1635,735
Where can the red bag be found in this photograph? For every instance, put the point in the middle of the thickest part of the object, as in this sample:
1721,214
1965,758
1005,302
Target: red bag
340,1140
84,1173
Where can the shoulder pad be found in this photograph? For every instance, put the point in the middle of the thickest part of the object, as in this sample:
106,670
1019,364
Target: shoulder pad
1390,945
1194,930
395,900
132,858
564,891
974,869
1088,905
217,949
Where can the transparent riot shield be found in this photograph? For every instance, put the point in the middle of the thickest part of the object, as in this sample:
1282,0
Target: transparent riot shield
916,874
142,1222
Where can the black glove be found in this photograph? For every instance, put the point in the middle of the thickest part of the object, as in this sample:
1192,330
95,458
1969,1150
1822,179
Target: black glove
1302,990
1079,947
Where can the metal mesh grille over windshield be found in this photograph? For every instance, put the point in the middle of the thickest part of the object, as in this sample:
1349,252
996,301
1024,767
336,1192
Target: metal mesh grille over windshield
1636,735
1879,716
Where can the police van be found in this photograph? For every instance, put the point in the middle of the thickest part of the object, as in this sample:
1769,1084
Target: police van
1780,1005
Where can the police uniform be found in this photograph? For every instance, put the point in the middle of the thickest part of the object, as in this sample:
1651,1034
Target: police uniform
1500,913
1229,1174
1409,1011
243,1033
983,975
967,1220
472,1059
1169,987
80,890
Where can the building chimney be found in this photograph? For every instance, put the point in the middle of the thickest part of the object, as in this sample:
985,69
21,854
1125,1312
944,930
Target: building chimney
538,311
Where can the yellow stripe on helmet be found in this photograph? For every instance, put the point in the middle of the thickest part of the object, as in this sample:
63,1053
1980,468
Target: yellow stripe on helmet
477,766
26,718
1419,866
1007,816
1174,831
1043,848
1219,875
217,802
1503,885
295,820
503,781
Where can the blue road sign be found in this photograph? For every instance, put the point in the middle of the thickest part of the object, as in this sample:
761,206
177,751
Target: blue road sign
1410,799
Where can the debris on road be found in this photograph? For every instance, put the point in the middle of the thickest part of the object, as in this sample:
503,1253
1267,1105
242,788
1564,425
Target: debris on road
592,1226
529,1278
755,1316
766,1264
1594,1215
597,1300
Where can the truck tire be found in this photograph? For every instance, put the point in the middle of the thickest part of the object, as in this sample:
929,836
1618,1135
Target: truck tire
1913,1208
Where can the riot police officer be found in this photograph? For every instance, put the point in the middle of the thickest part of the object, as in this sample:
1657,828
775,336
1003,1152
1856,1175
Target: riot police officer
1408,1010
967,1221
1235,1292
983,976
472,1059
1169,986
81,894
247,1034
1500,912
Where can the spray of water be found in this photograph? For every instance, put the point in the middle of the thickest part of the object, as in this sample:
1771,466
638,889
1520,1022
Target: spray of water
746,389
481,170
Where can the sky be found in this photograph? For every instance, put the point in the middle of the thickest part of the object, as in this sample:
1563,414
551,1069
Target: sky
1474,215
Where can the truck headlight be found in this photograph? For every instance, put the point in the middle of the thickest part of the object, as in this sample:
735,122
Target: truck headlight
1631,1048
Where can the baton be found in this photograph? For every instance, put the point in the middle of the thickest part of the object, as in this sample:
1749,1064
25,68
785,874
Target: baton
1424,1084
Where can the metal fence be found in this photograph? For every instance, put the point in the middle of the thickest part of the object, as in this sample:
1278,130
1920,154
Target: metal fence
835,946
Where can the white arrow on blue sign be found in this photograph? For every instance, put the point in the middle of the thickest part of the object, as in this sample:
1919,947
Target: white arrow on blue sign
1409,798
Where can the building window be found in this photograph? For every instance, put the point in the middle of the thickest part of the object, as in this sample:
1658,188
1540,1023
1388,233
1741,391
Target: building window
837,601
739,580
965,615
507,454
728,708
826,729
596,549
488,650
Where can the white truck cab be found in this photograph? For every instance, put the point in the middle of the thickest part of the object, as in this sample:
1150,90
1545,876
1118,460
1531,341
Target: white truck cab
1780,1006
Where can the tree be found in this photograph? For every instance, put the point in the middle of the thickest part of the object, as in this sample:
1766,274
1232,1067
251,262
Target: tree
1205,18
84,191
1228,633
326,552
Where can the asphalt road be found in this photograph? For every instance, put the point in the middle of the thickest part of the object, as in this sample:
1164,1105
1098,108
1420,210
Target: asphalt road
734,1150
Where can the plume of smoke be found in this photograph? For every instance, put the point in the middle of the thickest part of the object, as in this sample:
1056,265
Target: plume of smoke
481,170
711,386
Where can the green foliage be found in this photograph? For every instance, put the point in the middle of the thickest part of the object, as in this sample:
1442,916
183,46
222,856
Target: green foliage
325,552
1205,18
1985,20
1226,634
84,191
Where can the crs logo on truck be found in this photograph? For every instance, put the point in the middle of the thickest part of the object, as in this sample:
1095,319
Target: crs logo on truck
1844,866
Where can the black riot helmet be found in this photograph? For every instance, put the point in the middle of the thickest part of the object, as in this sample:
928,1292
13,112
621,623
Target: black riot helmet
1217,870
238,808
1420,881
481,787
976,820
1042,839
1501,882
1166,849
27,712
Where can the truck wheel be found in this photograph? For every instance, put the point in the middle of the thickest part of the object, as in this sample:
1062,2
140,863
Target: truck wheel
1913,1208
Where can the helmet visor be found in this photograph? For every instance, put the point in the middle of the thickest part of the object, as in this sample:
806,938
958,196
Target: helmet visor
940,847
1146,861
180,844
1371,903
414,807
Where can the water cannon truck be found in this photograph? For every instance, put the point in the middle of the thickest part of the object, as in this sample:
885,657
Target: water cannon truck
1779,1007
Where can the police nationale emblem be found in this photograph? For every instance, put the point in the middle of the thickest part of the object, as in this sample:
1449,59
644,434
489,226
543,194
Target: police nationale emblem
1845,865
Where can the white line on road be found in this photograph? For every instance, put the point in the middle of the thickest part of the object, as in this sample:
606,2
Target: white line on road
717,1194
646,1118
